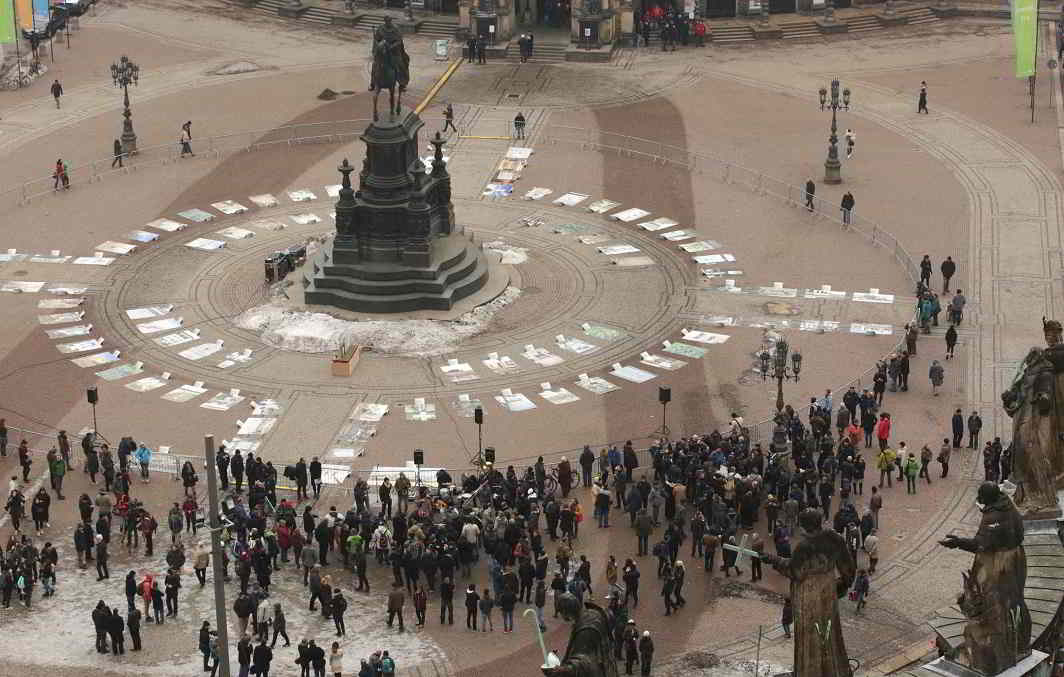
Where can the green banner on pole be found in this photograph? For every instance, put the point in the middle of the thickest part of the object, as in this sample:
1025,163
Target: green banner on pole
1025,32
7,21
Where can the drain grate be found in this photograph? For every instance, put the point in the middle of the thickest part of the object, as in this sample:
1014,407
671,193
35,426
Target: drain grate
513,96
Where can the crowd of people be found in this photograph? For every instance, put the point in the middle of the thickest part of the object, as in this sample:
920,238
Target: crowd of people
715,492
673,28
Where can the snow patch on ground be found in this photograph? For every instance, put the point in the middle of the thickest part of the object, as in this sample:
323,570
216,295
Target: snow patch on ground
308,332
236,68
509,253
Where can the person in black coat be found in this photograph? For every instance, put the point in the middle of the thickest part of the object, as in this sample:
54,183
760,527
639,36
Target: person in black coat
261,658
646,653
116,628
243,655
205,644
236,466
958,428
133,624
100,622
315,476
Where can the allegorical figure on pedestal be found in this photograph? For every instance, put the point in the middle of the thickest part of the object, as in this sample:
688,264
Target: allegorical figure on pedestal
391,66
590,650
998,632
1035,401
821,571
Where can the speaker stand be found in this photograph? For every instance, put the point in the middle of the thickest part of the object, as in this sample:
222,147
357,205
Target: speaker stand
663,431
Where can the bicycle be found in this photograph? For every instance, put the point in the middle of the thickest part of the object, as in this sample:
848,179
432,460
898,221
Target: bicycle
551,483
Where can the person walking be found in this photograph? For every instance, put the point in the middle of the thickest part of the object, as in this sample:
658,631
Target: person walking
860,587
921,103
57,91
471,49
951,341
847,208
937,374
472,601
101,558
519,125
118,154
186,149
948,268
851,140
338,607
448,119
205,644
810,193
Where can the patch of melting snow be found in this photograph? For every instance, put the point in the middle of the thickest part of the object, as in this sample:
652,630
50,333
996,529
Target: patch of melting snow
308,332
509,253
58,630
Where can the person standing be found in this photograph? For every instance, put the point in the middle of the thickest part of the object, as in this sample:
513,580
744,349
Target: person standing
205,644
875,504
486,605
173,584
472,600
133,625
116,628
446,601
519,125
646,653
118,155
396,600
243,657
810,193
925,271
101,558
482,50
847,208
956,307
948,268
57,91
787,617
937,374
921,104
471,49
336,660
958,428
975,424
261,658
925,462
315,481
338,607
851,140
871,547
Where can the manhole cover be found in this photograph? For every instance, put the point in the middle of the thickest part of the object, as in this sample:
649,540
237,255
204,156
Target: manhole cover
781,308
513,96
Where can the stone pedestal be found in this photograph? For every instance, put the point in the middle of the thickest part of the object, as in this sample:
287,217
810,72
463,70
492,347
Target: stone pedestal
292,9
766,31
831,26
396,248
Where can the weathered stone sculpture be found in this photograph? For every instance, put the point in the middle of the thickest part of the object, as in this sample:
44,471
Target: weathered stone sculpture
391,66
397,248
821,571
998,632
1035,401
590,650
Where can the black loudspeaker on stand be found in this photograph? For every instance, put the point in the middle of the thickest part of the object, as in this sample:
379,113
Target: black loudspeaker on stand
664,397
93,396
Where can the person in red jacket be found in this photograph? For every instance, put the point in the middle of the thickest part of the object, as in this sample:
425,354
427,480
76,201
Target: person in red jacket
883,430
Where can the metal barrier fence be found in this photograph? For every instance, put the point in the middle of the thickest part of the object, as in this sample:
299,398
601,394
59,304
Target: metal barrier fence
342,131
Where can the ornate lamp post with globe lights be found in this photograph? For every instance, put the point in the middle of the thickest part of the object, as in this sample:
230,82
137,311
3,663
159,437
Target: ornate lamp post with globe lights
774,364
832,166
124,73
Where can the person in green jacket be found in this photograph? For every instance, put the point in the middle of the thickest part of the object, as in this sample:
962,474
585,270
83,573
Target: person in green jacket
912,471
57,469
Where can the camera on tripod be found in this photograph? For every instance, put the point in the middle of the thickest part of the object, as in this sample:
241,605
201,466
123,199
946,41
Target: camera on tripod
279,264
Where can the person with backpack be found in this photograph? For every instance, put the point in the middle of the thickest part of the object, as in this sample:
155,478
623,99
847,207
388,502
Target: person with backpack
387,665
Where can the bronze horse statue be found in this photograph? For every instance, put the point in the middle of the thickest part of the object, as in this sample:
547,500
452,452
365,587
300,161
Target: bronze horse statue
391,67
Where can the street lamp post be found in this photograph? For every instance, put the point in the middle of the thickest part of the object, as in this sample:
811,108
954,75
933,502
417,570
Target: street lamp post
832,166
124,73
774,364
